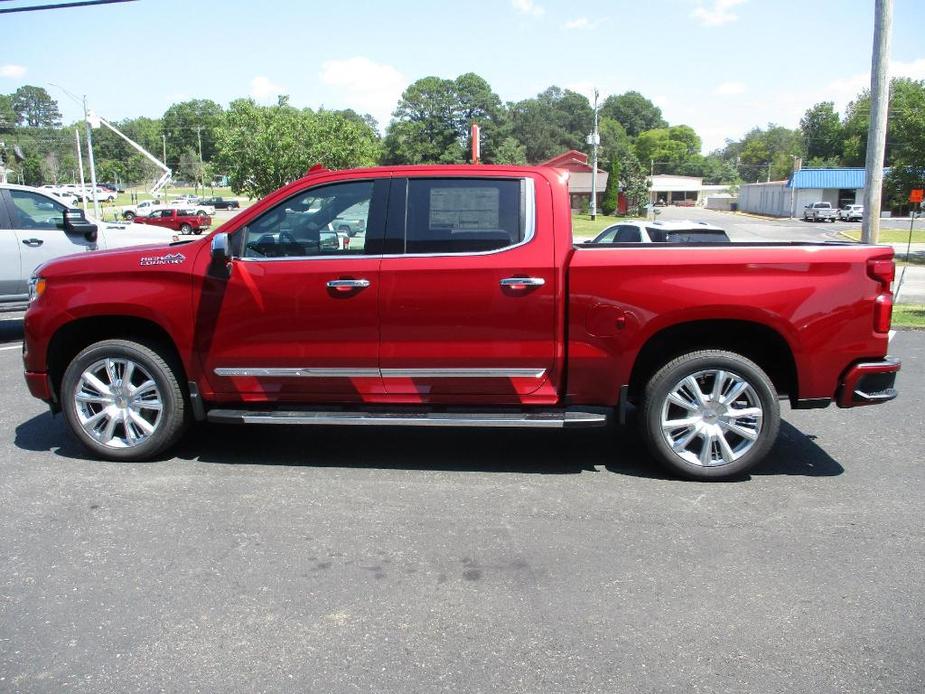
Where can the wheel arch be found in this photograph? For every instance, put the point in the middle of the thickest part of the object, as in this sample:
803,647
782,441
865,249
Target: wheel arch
756,341
72,337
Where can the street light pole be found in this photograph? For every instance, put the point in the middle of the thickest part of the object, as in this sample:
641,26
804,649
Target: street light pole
80,164
594,140
879,107
96,202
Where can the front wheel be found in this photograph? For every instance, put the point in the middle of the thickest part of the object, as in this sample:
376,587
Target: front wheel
129,216
710,415
123,400
185,229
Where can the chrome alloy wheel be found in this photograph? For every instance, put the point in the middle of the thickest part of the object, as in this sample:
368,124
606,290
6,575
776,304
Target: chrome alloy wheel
117,402
711,418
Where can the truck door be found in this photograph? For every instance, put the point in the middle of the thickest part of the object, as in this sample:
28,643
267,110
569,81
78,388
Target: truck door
468,290
298,317
38,224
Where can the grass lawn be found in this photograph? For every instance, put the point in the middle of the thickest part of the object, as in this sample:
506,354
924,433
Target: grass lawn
584,228
891,235
908,316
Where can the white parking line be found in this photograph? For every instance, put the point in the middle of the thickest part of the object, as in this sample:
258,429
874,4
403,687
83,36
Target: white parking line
7,347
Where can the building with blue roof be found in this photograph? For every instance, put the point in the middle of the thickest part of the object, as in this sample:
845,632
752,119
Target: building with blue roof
839,187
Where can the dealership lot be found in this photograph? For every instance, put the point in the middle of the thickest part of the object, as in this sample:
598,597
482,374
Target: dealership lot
393,560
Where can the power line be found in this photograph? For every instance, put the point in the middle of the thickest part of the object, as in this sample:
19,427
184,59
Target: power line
62,5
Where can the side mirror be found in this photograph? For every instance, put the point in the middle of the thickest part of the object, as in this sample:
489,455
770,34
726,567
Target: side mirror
76,223
221,253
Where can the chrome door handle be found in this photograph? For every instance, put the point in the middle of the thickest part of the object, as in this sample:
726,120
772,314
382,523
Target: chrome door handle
523,282
348,284
33,242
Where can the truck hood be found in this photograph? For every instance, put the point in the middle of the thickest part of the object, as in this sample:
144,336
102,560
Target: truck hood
176,258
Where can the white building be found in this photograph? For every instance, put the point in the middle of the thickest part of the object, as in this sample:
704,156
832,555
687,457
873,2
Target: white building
672,189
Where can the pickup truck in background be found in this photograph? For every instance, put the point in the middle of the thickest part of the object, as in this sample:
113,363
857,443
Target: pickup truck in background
146,207
220,203
35,227
819,212
465,303
185,221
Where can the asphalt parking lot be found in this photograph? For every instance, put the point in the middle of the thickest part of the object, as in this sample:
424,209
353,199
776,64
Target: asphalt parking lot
335,560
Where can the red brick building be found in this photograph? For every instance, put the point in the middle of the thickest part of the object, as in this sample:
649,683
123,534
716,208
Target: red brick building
579,182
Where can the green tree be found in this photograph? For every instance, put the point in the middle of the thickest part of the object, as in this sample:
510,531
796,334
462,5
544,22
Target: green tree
635,183
906,135
264,147
511,152
668,148
35,108
764,152
185,123
190,168
615,143
634,112
7,114
555,121
433,119
611,198
822,132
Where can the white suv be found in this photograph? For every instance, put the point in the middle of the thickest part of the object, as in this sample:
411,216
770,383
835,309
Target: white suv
34,228
851,213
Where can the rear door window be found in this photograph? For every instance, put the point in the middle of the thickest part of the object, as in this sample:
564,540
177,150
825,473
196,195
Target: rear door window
463,215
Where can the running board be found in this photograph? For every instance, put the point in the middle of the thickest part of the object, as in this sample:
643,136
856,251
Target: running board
555,419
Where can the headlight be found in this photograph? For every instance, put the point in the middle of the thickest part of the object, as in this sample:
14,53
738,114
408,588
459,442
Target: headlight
36,287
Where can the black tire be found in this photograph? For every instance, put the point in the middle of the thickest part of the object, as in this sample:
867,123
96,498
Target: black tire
186,229
665,381
130,216
175,412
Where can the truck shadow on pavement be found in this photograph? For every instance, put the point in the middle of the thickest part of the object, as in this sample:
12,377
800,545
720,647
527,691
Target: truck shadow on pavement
457,450
11,329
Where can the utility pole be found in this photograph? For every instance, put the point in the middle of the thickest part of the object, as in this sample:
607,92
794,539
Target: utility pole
80,164
199,137
164,157
594,140
879,108
96,202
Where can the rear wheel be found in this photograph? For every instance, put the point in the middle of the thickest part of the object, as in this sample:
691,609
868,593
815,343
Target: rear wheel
710,415
185,229
129,216
123,400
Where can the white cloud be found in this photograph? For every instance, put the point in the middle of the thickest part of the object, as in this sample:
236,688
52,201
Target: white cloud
528,7
729,89
578,23
717,14
367,86
264,89
843,90
14,71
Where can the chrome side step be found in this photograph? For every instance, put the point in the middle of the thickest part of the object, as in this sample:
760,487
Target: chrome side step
546,419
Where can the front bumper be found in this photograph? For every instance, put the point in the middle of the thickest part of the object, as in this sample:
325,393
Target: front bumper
869,383
40,386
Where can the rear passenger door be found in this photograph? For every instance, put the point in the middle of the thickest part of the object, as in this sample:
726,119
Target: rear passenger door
468,291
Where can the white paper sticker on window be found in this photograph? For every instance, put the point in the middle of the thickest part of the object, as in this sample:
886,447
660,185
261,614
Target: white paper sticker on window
464,208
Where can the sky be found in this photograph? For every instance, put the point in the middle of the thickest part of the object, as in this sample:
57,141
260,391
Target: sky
720,66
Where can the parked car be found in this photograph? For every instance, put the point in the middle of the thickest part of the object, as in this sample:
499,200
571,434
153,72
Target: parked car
643,231
194,202
464,304
220,203
36,227
184,220
851,213
819,212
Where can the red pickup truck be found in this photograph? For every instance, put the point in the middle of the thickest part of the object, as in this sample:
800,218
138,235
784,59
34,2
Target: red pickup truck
466,303
183,220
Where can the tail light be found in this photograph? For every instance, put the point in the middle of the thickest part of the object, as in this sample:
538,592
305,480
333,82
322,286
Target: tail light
883,270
